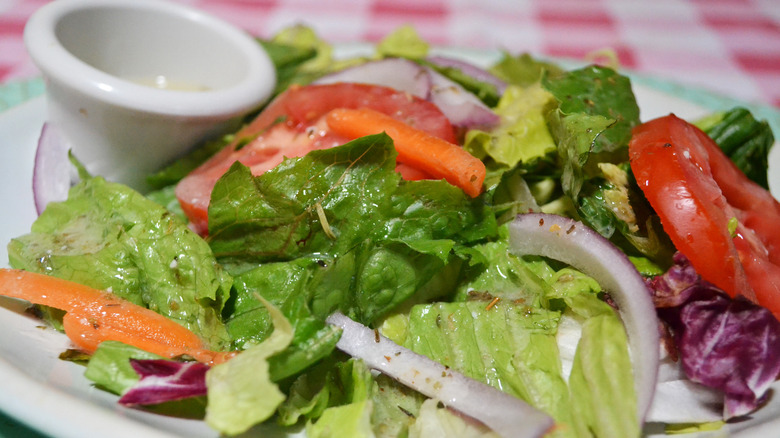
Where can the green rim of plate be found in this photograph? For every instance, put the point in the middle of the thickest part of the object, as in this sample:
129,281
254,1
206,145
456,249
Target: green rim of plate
15,92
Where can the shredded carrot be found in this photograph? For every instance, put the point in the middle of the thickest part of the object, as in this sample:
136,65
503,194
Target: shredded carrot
432,155
94,316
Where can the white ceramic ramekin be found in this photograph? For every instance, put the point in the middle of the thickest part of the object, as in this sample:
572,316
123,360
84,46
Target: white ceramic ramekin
103,61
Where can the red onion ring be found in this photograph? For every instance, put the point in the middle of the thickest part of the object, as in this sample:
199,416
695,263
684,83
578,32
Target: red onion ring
573,243
461,107
52,169
472,70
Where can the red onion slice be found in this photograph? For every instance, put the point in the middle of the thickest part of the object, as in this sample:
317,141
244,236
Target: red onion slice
52,171
506,415
398,73
460,106
472,70
573,243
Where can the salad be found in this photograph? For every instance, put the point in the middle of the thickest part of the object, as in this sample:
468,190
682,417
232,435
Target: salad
409,245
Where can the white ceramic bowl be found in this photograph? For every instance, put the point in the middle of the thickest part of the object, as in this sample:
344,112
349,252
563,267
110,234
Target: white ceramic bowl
134,84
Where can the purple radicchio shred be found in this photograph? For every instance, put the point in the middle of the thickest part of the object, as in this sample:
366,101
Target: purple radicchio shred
165,380
729,344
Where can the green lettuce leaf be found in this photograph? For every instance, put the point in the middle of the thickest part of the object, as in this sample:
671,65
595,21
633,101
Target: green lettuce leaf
522,135
744,139
346,421
593,122
109,237
601,381
523,69
109,367
614,206
403,42
329,384
508,345
434,420
393,237
240,391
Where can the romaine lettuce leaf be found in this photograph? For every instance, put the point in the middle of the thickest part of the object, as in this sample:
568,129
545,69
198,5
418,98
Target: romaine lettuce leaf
403,42
329,384
522,136
602,382
109,237
240,391
593,123
509,345
109,367
345,421
522,69
744,139
436,421
392,236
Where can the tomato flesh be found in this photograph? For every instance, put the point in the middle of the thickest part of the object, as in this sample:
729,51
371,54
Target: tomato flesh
698,192
293,125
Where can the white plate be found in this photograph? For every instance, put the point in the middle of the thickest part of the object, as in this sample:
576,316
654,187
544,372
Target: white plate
53,396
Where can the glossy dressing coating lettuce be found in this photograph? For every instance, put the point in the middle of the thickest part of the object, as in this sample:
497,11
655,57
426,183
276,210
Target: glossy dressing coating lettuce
110,237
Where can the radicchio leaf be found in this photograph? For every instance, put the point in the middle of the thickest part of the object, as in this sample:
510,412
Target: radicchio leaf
165,380
729,344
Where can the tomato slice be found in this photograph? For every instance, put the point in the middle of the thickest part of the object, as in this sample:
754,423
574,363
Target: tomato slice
293,125
698,193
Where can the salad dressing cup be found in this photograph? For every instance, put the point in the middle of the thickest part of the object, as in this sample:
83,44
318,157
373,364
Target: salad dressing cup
133,84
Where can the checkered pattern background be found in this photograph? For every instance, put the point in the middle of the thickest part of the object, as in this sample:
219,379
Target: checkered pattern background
731,47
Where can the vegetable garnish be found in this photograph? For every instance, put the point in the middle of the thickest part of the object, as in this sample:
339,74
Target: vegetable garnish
506,415
266,141
729,344
51,174
165,380
461,107
94,316
573,243
437,157
696,191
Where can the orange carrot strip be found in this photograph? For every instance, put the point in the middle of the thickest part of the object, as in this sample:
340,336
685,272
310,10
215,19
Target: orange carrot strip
94,316
437,157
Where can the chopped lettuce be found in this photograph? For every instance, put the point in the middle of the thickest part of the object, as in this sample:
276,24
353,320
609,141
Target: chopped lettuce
744,139
601,381
327,385
523,70
509,346
522,136
345,421
107,236
403,42
436,421
593,122
240,391
393,236
109,367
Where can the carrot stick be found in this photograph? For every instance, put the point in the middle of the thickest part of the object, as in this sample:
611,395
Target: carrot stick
437,157
95,316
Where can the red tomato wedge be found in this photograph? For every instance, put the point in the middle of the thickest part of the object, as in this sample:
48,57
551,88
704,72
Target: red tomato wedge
727,226
293,125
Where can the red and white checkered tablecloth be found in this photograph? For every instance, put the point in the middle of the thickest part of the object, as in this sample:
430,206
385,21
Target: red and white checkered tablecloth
731,47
